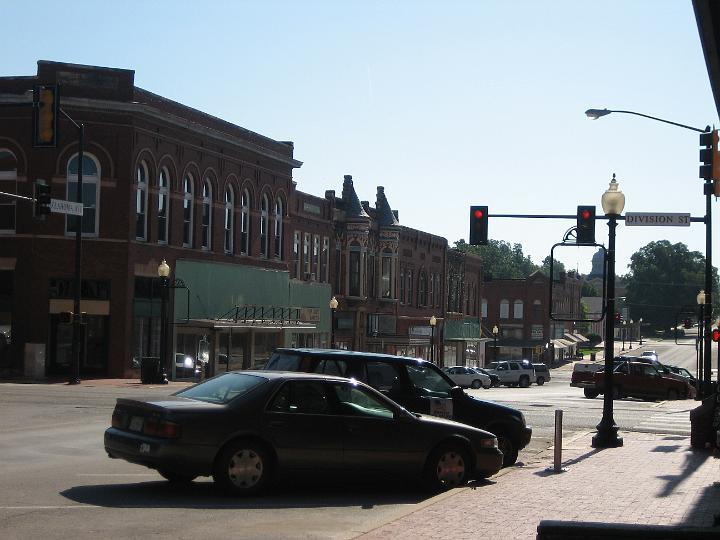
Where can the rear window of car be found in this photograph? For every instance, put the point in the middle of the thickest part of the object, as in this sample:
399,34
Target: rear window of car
223,388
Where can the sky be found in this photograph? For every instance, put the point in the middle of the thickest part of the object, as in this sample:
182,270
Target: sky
446,104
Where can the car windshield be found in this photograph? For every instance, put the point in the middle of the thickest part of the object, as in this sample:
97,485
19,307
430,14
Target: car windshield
223,388
429,381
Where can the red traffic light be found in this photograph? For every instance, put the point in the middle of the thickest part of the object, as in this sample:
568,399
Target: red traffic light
716,334
478,213
585,214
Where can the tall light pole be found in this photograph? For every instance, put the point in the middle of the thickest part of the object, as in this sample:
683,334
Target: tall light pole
623,331
613,203
161,373
495,332
631,333
703,375
333,307
640,332
433,322
704,389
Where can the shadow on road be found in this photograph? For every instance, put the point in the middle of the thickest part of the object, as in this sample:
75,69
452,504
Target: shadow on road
203,494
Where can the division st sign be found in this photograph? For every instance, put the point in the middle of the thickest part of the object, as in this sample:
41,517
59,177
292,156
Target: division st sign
656,219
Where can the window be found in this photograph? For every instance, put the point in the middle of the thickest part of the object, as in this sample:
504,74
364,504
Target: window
316,257
163,209
325,260
386,275
306,255
422,289
245,222
402,285
206,225
296,254
8,184
141,189
504,309
410,279
431,291
229,219
278,228
300,397
438,295
354,270
90,194
484,309
264,217
537,309
355,401
188,192
518,309
371,276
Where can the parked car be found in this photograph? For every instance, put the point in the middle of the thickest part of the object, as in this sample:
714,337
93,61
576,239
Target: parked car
246,428
641,380
417,385
682,372
542,374
652,355
467,377
494,379
513,372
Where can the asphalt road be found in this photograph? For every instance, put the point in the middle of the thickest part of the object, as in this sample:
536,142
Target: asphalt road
57,482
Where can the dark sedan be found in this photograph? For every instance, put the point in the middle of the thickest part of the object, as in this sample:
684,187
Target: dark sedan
245,428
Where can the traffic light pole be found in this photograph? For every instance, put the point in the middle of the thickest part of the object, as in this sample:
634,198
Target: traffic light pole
707,306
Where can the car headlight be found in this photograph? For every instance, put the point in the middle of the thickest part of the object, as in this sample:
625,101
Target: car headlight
490,442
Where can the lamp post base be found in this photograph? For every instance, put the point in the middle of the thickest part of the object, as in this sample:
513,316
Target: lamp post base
606,437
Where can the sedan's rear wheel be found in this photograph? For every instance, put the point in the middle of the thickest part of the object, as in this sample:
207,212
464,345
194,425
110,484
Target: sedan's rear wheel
176,478
476,384
242,468
447,467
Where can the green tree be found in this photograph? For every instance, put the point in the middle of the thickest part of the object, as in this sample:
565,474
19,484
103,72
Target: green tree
500,259
557,266
588,289
663,281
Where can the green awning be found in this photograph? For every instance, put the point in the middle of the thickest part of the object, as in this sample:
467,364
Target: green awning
462,330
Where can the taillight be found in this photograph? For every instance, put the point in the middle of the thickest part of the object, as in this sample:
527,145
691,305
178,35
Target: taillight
156,427
118,419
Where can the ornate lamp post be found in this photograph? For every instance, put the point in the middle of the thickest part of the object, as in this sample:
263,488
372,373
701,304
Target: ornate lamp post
164,273
640,332
333,307
433,322
702,376
623,331
631,333
495,332
613,203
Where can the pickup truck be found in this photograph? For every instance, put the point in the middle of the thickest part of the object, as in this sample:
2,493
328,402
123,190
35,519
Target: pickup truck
637,379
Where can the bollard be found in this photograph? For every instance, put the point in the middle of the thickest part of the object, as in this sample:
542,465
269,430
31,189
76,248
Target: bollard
557,462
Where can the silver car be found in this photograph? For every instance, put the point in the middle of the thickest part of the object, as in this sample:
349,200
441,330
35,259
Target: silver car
468,377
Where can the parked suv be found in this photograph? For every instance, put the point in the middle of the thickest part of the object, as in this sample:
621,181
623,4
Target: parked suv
417,385
513,372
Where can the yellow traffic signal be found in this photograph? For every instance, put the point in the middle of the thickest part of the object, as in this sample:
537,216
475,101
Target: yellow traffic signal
45,113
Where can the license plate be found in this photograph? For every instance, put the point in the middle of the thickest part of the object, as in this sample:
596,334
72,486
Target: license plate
136,423
144,448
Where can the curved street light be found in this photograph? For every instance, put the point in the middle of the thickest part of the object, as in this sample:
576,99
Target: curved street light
599,113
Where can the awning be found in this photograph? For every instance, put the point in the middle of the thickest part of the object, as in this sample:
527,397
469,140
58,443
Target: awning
581,338
572,338
562,344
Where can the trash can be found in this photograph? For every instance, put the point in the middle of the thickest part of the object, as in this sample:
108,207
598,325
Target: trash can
701,423
149,369
592,356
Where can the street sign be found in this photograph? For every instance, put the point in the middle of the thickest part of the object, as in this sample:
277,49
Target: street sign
654,219
60,206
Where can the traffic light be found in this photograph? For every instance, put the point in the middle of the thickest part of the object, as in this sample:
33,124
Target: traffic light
585,224
716,334
478,225
710,168
42,198
45,114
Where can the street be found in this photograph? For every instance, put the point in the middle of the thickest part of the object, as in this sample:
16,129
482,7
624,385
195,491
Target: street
57,481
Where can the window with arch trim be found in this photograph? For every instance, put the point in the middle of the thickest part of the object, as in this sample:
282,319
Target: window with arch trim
504,309
484,309
264,218
278,228
188,193
141,191
229,222
163,207
90,194
245,222
8,184
206,223
518,309
402,285
422,289
386,274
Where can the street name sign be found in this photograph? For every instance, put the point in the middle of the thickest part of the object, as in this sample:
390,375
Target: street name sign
60,206
655,219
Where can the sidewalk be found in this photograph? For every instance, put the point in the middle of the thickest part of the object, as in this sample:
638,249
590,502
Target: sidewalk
653,479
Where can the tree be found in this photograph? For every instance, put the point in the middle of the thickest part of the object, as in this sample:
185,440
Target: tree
663,282
557,266
588,289
500,259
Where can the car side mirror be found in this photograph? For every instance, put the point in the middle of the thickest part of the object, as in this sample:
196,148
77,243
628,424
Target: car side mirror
456,392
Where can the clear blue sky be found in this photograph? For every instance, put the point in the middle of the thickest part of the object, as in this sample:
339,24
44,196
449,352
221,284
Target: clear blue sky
446,104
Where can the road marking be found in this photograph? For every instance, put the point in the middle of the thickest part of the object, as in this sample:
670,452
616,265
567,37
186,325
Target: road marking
68,507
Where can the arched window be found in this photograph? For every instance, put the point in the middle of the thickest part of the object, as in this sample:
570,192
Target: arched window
422,289
245,222
8,184
206,225
278,227
431,290
264,217
90,194
229,219
163,208
410,280
386,274
354,257
188,192
483,308
402,285
518,309
504,309
141,190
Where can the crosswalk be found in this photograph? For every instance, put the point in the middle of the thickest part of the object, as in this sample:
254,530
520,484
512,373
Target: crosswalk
671,422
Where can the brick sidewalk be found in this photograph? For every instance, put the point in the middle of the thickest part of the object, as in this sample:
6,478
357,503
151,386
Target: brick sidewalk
652,479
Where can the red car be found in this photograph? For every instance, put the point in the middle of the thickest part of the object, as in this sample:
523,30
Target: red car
642,380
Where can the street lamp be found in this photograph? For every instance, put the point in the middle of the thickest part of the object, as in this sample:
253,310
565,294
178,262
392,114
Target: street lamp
631,333
160,377
640,332
706,310
701,300
613,203
623,331
333,307
495,332
433,322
